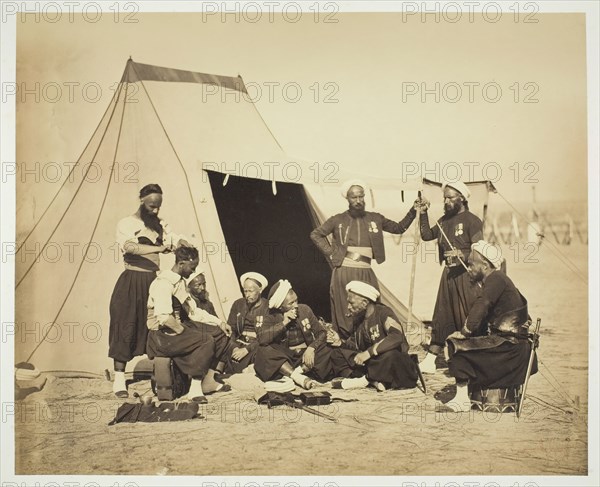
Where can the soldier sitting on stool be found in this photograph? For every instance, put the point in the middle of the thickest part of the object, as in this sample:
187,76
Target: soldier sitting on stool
292,340
498,360
193,338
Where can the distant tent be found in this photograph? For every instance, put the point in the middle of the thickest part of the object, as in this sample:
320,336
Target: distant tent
228,186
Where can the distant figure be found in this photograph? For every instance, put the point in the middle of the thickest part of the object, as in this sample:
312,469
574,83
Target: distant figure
459,230
377,352
245,316
357,239
500,359
292,340
142,237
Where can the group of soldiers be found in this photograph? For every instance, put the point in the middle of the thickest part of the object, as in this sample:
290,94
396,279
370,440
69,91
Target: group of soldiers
480,319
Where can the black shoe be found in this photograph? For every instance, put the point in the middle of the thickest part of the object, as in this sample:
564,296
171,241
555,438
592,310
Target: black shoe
220,377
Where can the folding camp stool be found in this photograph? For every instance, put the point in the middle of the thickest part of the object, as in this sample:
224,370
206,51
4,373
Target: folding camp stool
503,400
168,381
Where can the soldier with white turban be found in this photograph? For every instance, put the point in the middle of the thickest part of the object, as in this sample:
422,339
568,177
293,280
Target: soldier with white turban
246,314
196,285
377,351
498,360
455,232
292,340
357,239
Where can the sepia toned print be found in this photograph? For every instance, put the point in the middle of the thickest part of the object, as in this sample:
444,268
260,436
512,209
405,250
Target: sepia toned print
388,214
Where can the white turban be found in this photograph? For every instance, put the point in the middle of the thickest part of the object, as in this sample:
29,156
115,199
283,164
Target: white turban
491,252
255,276
346,185
460,187
194,276
363,289
278,293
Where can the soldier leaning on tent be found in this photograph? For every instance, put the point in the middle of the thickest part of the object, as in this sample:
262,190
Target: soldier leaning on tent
142,237
357,239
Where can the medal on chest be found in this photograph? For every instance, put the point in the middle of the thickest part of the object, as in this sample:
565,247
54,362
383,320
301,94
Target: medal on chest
259,321
458,230
373,227
305,324
374,333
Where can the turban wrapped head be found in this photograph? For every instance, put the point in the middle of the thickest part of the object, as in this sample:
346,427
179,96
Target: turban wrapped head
255,276
489,251
194,275
278,293
363,289
458,186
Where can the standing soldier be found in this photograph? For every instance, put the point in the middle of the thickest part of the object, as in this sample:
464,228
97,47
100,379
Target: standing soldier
142,237
357,239
455,232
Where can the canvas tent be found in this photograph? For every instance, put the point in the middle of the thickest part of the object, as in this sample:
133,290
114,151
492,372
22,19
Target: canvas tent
228,186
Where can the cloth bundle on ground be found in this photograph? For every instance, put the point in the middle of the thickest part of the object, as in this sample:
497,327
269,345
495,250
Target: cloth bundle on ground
150,413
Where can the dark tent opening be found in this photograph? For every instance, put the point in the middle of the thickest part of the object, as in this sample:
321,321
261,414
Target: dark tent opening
270,234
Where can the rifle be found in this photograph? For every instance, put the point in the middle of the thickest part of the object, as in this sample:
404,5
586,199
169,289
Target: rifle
272,399
535,341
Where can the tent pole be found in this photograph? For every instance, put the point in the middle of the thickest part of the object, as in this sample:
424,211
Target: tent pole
413,269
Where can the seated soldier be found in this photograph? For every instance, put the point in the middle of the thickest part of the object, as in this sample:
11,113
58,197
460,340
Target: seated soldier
245,315
196,285
377,351
498,360
292,340
200,310
177,329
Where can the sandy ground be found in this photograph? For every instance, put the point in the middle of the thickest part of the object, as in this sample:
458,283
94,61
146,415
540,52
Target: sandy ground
63,429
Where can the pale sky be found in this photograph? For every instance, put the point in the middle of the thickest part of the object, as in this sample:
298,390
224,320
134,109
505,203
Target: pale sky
367,66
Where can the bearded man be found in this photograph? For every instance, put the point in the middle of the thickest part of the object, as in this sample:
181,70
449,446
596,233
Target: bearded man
499,359
377,352
142,237
357,239
455,232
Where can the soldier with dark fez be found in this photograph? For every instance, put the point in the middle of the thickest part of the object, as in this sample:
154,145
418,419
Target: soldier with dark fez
499,359
246,315
292,341
377,351
194,339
